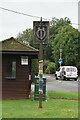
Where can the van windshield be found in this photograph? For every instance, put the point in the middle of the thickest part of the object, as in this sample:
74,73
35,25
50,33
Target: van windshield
71,69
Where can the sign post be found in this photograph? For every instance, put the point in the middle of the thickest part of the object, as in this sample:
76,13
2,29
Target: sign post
60,60
41,34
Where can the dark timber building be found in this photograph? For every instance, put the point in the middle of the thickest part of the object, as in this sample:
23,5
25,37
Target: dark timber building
16,68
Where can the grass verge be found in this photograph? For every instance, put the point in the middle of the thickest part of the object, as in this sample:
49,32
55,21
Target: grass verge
65,108
63,95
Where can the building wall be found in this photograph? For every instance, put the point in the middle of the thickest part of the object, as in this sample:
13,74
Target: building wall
17,88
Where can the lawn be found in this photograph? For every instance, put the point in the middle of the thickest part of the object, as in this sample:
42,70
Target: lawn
63,95
0,109
53,108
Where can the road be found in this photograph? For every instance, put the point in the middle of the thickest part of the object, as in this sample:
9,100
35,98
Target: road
59,85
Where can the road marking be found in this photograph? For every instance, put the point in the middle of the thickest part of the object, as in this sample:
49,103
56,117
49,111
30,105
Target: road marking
59,81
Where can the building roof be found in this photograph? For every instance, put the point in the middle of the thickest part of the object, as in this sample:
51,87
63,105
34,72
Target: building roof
12,44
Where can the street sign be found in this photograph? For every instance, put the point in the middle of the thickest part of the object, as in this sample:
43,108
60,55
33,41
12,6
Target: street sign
60,61
41,32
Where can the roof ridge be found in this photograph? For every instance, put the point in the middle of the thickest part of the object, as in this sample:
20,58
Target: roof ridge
16,40
8,39
26,45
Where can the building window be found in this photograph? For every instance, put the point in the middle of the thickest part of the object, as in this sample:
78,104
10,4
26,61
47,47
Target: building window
24,60
11,69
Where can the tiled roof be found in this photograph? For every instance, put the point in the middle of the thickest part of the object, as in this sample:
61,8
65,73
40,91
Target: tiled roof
12,44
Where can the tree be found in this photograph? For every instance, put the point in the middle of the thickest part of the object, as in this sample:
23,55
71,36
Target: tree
55,25
67,40
26,37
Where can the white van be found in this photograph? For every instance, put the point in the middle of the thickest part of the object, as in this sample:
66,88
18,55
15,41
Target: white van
67,72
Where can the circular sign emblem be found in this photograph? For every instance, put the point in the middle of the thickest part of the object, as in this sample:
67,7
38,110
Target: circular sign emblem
41,33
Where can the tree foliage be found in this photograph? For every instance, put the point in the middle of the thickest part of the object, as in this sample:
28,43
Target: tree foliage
67,40
26,37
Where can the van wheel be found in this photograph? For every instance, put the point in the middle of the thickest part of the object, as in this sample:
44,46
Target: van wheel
56,78
75,79
63,78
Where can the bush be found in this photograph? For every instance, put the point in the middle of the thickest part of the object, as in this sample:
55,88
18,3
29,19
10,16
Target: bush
49,67
35,68
46,62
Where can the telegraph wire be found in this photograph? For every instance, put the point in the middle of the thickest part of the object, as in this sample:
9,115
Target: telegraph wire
21,13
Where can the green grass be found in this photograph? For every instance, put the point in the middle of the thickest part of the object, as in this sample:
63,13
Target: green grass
63,95
29,109
62,108
0,109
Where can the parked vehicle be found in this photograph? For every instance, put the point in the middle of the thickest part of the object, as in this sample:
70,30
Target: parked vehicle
67,72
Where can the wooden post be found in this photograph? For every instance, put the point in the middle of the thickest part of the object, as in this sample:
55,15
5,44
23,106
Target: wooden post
41,36
40,74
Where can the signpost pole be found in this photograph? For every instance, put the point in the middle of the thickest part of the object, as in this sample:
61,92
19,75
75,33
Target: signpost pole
40,74
41,36
40,68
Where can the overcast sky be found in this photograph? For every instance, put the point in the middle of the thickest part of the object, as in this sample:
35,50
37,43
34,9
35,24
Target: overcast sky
12,23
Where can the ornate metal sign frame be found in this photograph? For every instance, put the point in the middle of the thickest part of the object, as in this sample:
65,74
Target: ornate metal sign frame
41,32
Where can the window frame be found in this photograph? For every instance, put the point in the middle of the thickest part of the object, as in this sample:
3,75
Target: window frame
24,60
11,69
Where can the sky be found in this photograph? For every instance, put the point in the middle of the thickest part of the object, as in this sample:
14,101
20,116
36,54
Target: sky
11,24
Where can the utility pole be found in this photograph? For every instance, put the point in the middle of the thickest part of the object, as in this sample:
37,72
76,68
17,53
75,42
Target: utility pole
40,74
41,36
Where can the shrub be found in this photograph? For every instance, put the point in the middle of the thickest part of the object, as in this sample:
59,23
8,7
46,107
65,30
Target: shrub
35,68
50,68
